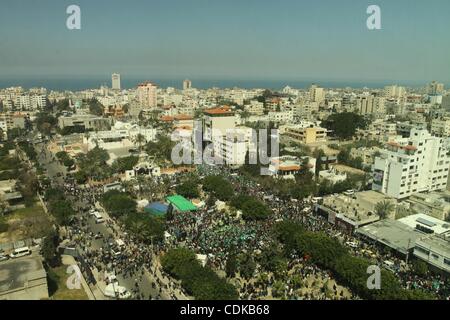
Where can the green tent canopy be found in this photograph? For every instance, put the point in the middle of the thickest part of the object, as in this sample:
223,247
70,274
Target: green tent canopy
181,203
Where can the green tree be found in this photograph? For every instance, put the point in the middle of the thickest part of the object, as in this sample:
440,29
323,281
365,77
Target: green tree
147,228
384,208
247,266
140,140
95,107
118,203
344,125
188,189
48,248
231,266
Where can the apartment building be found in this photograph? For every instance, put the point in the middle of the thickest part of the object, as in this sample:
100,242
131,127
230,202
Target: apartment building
415,164
10,120
394,91
316,94
369,104
147,95
440,127
255,107
217,120
281,117
87,121
306,135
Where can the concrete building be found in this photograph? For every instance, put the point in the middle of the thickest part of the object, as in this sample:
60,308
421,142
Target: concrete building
435,88
366,154
369,104
217,120
87,121
426,224
417,164
446,102
316,94
23,279
281,117
394,91
121,135
332,176
440,127
306,135
434,250
287,167
255,107
147,95
434,204
393,234
187,84
115,79
11,120
232,148
349,210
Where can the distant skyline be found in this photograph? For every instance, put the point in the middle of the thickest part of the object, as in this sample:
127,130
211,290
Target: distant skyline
284,40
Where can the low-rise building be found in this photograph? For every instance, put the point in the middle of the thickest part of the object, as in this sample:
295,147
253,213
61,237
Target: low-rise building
23,279
86,121
434,250
306,135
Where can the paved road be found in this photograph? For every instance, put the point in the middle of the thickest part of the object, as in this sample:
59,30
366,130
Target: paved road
56,171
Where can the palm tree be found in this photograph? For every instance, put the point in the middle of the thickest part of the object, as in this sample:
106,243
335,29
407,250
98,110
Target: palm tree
139,139
384,208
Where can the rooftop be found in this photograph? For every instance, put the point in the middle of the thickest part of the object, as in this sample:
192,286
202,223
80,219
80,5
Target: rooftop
437,244
392,233
426,221
181,203
225,110
17,273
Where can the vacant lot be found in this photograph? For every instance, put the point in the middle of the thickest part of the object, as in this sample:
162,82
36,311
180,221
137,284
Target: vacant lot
31,222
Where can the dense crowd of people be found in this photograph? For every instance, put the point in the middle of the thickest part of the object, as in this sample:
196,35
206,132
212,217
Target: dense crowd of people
214,233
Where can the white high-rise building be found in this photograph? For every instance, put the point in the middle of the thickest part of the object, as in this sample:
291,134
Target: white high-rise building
435,88
410,165
316,94
368,104
394,91
115,78
187,84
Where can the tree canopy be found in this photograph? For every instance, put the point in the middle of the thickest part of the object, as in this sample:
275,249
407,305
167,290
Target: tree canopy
118,203
201,282
344,125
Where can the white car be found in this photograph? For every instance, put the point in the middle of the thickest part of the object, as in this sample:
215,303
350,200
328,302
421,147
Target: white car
352,244
20,252
115,291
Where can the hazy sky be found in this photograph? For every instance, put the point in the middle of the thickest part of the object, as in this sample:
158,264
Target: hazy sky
240,39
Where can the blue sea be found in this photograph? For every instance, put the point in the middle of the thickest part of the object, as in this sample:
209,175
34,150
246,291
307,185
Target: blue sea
76,84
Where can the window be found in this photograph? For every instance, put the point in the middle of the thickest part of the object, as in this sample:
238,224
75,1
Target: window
422,250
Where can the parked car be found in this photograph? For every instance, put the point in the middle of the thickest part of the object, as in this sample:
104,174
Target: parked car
20,252
118,292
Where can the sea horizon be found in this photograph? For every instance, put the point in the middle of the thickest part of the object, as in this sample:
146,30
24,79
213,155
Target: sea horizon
86,83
